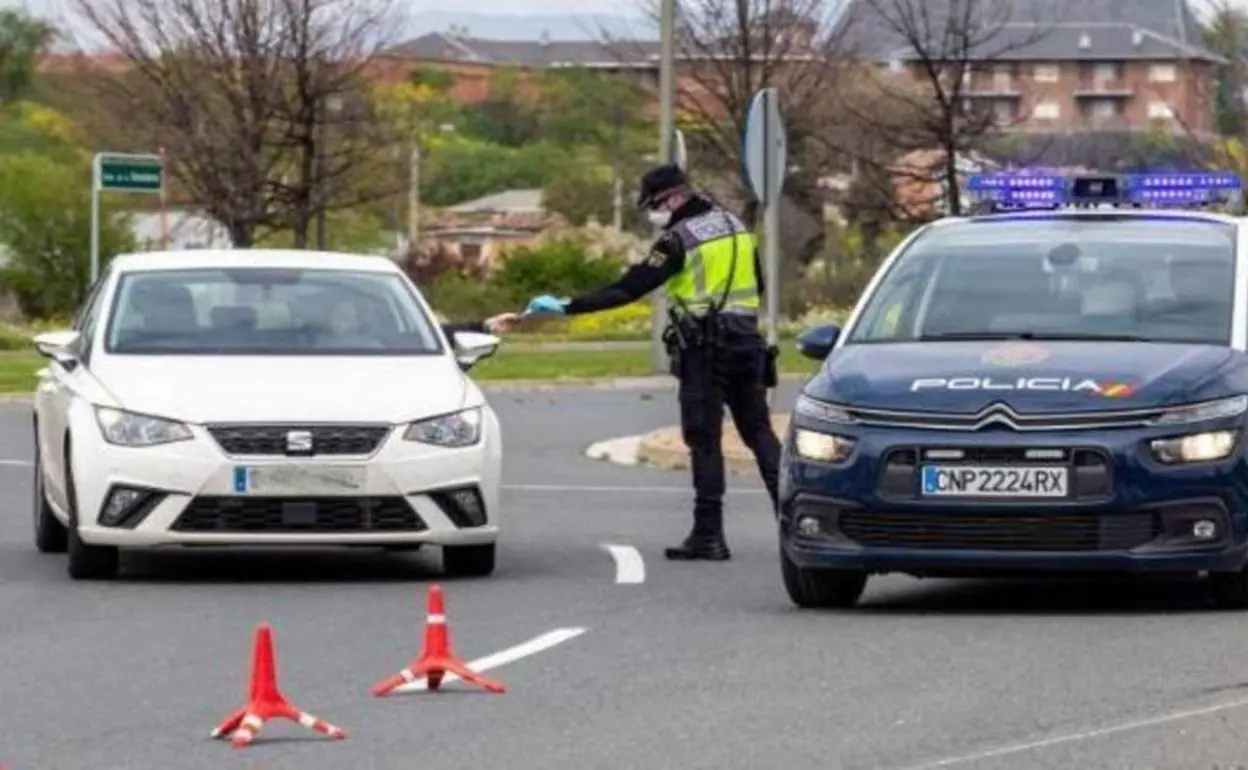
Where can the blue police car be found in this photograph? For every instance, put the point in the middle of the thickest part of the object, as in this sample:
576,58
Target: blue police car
1057,384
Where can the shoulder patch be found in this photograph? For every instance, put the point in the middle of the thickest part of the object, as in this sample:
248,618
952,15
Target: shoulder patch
655,258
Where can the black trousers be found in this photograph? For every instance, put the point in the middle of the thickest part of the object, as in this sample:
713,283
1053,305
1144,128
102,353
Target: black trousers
730,375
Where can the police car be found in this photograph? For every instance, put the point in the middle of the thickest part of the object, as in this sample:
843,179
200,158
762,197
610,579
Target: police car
1055,384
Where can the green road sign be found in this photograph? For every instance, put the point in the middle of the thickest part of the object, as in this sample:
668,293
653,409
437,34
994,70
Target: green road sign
131,174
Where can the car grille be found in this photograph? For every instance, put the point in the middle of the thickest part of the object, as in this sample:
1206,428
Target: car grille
299,514
1007,532
326,439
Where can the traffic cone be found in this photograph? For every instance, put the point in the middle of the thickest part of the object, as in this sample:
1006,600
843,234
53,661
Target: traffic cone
436,659
265,701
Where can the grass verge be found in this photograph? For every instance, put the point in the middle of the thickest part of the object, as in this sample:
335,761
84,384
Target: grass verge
17,369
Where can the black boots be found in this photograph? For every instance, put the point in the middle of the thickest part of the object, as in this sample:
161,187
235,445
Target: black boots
700,547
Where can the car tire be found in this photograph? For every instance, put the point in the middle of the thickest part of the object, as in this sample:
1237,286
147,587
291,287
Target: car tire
86,562
468,560
821,588
51,536
1229,590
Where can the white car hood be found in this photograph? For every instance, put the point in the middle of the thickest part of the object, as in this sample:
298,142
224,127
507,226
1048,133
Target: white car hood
206,389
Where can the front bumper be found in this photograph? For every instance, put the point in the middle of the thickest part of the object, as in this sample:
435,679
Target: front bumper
1128,514
403,493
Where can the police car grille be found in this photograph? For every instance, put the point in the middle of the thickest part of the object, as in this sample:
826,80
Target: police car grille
1007,532
326,439
299,514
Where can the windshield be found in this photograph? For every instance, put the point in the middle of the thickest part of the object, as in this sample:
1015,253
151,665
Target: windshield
1129,278
264,311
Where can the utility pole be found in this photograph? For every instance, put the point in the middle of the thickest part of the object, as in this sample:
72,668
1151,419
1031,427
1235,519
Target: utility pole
667,124
413,198
617,184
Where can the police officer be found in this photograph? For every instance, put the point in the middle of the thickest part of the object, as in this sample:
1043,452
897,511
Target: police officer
708,261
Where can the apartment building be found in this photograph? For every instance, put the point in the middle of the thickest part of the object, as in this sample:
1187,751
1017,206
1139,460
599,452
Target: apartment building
1093,66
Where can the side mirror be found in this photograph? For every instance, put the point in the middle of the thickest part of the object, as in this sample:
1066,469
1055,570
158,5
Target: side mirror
818,342
59,346
472,347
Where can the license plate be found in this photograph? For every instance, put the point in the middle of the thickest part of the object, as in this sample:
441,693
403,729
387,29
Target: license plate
300,480
979,481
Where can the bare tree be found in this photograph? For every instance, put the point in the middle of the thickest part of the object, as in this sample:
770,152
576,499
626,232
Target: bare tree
726,51
940,43
339,144
233,89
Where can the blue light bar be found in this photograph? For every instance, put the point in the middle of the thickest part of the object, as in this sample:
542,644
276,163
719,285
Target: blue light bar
1179,189
987,182
1016,190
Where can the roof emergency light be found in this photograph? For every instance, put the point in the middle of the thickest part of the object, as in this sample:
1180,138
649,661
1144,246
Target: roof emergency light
1022,190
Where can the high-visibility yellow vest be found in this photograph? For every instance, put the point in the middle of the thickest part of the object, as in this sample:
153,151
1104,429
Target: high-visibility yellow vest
709,240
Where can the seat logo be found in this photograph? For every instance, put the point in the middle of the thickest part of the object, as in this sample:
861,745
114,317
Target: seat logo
299,441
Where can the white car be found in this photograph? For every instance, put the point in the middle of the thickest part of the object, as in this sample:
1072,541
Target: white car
256,397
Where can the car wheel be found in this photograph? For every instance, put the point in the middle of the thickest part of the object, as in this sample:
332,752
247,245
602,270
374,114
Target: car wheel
821,588
51,536
468,560
86,562
1229,589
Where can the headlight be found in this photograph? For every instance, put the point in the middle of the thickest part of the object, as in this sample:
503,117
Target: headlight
1196,448
1210,410
449,430
821,410
822,447
138,430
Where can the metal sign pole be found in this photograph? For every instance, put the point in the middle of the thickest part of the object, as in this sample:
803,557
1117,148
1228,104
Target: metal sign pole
95,217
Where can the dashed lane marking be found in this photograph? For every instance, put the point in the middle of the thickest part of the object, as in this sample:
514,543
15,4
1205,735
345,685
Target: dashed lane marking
510,655
629,566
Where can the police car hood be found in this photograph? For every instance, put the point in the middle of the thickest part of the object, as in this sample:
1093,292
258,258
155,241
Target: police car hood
1030,377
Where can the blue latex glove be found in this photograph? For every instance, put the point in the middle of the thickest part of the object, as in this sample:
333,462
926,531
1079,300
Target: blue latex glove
546,305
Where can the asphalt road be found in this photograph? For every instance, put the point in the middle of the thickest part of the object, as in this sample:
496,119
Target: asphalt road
695,666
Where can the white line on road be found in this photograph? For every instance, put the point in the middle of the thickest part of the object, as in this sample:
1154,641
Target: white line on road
509,655
647,490
16,463
1083,735
629,566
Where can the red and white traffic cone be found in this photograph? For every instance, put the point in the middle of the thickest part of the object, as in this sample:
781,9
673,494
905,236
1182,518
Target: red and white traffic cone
265,701
436,659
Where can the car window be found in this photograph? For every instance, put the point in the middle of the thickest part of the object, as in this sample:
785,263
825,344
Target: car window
1157,279
253,311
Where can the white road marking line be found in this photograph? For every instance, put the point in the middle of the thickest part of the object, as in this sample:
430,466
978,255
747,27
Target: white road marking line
1083,735
655,490
17,463
629,566
503,657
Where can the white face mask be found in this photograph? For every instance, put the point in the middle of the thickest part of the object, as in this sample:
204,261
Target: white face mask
659,217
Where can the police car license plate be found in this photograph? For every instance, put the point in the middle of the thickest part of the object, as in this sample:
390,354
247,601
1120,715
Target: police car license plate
980,481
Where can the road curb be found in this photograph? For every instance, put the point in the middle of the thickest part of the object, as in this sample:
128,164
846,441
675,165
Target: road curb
620,451
659,382
665,448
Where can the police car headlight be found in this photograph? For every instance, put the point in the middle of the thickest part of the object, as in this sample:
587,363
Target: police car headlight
822,447
822,410
1195,448
449,430
130,429
1209,410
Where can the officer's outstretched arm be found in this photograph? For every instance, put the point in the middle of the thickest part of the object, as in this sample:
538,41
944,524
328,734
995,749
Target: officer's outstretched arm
665,260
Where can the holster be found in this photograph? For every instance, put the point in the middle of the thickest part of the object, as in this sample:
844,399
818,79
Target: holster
771,366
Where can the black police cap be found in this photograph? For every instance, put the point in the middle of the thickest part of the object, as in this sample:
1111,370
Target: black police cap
659,180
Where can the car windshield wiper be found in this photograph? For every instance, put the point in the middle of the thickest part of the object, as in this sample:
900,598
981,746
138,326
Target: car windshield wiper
1090,336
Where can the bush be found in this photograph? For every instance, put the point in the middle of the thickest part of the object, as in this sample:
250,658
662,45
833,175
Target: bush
634,317
455,297
562,266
